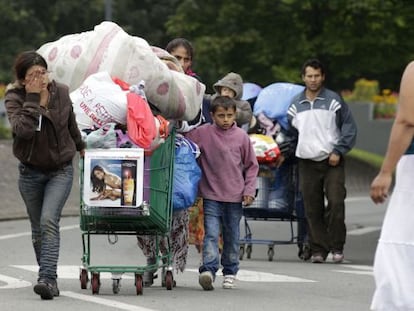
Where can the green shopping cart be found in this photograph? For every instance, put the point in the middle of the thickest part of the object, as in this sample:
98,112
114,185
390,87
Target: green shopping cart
140,204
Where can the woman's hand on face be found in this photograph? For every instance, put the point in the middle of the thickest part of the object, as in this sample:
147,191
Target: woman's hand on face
34,83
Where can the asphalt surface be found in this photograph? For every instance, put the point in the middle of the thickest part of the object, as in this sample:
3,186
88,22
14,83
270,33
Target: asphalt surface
358,178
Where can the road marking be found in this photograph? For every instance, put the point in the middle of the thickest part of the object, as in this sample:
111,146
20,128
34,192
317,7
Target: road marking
69,272
18,235
72,272
364,230
357,269
356,199
104,302
255,276
355,272
12,283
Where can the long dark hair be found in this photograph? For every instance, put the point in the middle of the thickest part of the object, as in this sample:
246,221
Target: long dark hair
98,185
174,43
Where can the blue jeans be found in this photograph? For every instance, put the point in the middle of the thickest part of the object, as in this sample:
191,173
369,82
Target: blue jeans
225,217
44,195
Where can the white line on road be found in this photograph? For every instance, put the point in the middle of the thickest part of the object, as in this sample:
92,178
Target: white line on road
69,272
356,199
357,269
104,302
12,283
255,276
18,235
355,272
72,272
362,231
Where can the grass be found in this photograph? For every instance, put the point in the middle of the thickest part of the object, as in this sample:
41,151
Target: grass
5,132
368,157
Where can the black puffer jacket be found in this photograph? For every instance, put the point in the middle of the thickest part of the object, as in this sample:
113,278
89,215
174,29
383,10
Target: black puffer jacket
58,139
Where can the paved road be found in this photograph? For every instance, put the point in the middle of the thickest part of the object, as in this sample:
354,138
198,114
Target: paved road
285,284
359,176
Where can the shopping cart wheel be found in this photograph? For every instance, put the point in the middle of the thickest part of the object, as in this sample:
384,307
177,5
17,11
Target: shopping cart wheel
95,283
169,280
305,252
116,285
249,250
164,278
83,277
270,253
139,284
241,252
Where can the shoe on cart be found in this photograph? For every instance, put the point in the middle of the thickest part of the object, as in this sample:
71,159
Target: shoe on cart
317,258
46,289
205,279
228,282
338,257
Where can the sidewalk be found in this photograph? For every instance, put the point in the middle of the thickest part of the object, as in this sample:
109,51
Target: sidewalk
11,203
359,176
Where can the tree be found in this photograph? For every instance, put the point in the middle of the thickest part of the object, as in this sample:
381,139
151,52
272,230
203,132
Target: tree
267,41
27,24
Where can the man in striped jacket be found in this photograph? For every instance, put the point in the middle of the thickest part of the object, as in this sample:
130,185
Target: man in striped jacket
324,132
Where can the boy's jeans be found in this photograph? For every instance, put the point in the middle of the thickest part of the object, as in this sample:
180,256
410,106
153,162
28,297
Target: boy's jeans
225,217
44,195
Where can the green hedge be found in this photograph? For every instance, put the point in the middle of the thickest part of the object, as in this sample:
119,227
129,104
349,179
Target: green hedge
368,157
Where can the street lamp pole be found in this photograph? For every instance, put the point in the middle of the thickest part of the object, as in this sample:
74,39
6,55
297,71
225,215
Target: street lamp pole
108,10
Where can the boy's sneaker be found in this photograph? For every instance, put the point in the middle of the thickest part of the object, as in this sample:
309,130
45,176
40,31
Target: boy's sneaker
206,280
338,257
228,282
317,258
46,290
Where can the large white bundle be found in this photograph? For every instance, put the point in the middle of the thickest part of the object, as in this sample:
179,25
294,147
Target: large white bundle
74,57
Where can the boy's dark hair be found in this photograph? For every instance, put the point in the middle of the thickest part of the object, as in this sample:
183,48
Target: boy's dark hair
222,101
315,64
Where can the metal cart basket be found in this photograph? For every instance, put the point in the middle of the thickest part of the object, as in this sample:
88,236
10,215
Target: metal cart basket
277,199
151,216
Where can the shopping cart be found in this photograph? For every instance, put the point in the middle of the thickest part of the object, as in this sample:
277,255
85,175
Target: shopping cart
149,215
277,199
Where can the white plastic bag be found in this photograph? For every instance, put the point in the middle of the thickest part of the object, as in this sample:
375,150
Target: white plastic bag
98,101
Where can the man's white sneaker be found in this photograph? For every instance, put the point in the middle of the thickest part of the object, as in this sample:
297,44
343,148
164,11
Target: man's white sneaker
338,257
205,279
228,282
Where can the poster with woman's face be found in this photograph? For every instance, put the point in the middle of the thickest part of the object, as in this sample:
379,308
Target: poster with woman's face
113,177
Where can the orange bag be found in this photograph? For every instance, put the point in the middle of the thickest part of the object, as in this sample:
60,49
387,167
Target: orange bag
140,121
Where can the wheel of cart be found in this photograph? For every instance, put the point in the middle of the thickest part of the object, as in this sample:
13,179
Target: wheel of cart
145,209
277,199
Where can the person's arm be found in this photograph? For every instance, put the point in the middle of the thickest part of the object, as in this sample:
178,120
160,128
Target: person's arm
402,133
23,114
73,127
348,129
244,112
251,170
